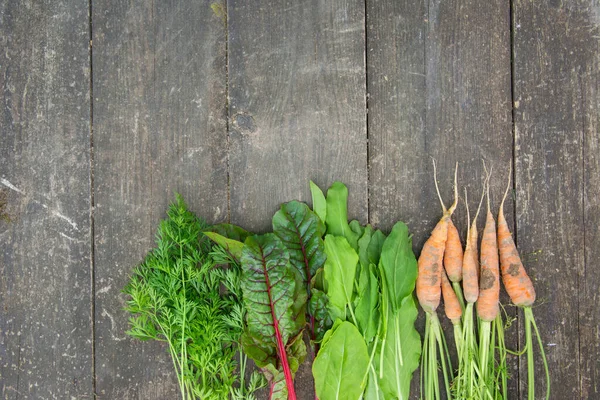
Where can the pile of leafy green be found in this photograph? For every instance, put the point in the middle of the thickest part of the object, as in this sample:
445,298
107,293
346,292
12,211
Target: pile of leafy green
180,295
347,286
373,348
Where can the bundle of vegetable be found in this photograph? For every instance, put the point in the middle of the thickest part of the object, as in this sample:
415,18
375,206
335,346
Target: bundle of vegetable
174,296
280,272
372,349
482,353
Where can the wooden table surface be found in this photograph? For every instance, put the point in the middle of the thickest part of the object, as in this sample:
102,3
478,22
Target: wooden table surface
109,107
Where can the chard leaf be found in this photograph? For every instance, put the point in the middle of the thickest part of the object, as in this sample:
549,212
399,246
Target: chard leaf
296,355
232,246
401,352
341,365
301,230
337,214
318,200
318,309
275,300
339,273
367,312
398,265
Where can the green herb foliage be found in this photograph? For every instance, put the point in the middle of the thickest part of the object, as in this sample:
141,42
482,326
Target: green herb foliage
179,296
369,279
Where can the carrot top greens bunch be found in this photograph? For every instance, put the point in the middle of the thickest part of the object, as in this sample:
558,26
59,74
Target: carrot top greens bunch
175,296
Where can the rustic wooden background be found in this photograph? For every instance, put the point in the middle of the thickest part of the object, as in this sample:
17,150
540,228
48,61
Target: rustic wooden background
110,106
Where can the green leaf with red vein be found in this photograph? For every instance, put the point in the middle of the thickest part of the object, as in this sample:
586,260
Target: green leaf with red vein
301,231
276,302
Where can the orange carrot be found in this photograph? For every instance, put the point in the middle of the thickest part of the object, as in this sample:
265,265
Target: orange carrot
489,280
470,262
430,263
520,289
430,267
516,281
451,305
453,256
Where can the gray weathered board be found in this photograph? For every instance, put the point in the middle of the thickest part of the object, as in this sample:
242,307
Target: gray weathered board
45,233
236,105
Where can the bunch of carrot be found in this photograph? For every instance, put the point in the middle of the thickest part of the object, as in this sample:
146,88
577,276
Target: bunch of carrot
481,371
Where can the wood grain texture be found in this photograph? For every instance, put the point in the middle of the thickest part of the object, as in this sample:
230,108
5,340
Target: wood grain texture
555,83
159,127
589,278
439,86
296,104
45,242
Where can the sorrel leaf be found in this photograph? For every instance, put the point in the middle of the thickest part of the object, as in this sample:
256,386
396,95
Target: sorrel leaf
375,246
341,365
339,273
337,214
399,265
367,311
363,246
275,299
318,201
401,352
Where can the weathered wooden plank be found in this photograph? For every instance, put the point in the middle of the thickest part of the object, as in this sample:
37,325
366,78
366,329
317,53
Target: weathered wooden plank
159,127
588,23
45,283
296,104
297,109
439,86
556,100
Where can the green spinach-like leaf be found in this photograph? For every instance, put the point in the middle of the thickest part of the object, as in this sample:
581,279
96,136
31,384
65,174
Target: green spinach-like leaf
318,200
367,311
337,214
375,246
398,265
401,352
341,365
339,273
363,246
